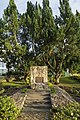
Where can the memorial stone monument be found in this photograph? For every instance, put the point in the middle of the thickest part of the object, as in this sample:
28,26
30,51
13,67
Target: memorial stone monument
39,77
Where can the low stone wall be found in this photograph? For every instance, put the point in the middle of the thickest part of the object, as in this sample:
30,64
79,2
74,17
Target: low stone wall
60,97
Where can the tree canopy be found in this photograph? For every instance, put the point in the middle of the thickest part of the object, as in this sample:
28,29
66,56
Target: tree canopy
37,37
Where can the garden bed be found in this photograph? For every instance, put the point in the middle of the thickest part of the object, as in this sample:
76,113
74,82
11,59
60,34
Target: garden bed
16,90
64,107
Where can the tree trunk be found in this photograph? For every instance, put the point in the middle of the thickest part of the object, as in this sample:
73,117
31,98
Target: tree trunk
57,78
8,76
25,76
7,79
33,47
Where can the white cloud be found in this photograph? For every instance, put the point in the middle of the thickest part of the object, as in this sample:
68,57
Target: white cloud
75,4
3,6
21,5
54,5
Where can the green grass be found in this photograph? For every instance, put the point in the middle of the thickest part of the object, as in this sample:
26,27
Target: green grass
67,81
16,84
11,86
76,75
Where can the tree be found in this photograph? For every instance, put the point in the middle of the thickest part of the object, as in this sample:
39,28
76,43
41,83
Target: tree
10,19
60,48
47,32
34,24
65,45
2,37
47,22
37,38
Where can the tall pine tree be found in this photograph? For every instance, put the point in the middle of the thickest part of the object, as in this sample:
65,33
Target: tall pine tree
66,39
47,22
11,45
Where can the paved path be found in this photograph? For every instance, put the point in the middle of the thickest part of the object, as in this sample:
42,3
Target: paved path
37,106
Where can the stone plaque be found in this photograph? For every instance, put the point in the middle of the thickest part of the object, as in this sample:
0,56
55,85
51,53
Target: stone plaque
39,79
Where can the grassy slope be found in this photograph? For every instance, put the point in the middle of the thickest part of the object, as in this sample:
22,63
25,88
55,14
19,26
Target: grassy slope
67,81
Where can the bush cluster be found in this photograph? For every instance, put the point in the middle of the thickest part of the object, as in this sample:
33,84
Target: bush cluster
68,112
2,90
52,90
8,111
24,90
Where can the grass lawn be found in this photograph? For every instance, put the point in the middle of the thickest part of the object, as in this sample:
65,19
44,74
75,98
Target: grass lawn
16,84
12,86
69,82
72,86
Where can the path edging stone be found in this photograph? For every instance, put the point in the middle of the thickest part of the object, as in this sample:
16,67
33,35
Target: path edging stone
19,99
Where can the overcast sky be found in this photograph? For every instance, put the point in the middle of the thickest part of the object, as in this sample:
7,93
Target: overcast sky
21,5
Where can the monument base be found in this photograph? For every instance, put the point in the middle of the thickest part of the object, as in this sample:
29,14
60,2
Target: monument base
39,86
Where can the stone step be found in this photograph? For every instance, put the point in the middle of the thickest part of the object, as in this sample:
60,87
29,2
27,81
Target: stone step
30,101
37,91
34,116
39,98
38,94
38,105
34,109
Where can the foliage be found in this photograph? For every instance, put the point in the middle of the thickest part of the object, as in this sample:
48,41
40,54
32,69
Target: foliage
69,82
24,90
14,84
75,92
68,112
8,111
52,90
33,24
38,38
2,90
10,30
1,37
76,77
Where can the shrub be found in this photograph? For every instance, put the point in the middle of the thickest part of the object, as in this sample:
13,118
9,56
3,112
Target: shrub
24,90
68,112
8,111
76,91
52,90
2,90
